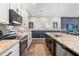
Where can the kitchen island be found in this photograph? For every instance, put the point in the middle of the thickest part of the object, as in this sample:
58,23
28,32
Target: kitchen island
67,41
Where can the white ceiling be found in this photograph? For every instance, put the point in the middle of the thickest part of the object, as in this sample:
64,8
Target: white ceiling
54,9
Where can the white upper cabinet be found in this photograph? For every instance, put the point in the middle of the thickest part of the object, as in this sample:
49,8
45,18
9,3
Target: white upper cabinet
20,9
24,18
69,9
16,7
13,6
4,13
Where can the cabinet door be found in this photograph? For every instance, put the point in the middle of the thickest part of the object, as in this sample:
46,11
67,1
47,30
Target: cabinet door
59,50
13,51
38,34
48,42
29,40
16,7
4,13
66,53
19,8
24,15
46,37
16,50
13,6
35,34
52,46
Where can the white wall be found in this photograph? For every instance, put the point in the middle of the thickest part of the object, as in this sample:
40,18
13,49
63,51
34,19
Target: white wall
44,22
4,13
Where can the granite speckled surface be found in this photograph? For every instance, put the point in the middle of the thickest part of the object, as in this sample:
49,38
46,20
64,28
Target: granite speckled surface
21,35
70,41
7,44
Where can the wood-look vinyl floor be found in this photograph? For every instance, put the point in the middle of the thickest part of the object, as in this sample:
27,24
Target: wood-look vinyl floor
38,48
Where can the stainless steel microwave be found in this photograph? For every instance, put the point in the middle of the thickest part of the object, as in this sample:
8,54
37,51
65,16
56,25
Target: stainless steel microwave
14,18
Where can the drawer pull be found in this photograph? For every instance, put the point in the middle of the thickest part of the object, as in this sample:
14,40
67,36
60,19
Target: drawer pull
9,53
40,35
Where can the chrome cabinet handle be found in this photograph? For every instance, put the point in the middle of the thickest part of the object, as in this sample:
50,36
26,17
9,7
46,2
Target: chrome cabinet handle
9,53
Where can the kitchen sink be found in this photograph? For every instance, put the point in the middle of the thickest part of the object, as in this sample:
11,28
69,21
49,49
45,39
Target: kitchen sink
57,35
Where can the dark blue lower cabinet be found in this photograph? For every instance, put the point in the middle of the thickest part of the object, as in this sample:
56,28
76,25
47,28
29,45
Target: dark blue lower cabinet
38,34
50,44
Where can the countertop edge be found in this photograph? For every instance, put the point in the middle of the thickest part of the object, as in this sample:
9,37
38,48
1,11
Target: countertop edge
9,47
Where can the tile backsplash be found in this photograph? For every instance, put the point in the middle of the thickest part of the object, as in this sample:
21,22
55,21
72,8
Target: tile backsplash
44,22
1,27
17,28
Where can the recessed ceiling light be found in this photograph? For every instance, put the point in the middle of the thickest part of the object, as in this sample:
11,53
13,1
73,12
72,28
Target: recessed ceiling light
34,3
41,10
78,11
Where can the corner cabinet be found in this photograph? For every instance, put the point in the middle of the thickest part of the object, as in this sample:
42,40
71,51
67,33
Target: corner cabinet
13,51
4,13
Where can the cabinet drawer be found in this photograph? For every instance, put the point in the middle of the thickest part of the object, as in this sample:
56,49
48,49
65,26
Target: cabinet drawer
59,50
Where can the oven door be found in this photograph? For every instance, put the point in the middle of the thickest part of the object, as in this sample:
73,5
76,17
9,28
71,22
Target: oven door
23,46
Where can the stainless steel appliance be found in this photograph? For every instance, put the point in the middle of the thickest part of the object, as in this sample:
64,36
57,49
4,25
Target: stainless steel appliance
14,18
1,35
23,45
10,33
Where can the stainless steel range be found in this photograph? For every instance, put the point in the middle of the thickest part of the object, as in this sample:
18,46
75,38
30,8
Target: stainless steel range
23,45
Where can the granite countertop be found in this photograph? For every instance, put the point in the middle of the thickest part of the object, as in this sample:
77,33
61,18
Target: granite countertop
21,35
70,41
7,44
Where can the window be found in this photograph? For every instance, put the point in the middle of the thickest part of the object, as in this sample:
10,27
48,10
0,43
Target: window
55,25
30,24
